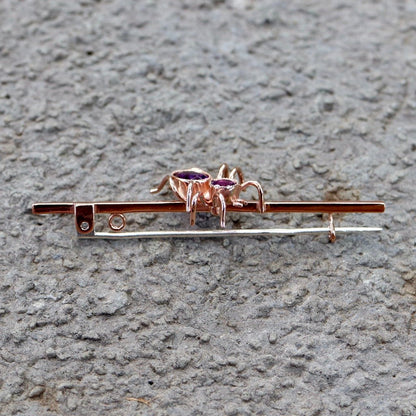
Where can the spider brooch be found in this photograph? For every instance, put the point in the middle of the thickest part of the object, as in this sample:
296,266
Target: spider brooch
196,186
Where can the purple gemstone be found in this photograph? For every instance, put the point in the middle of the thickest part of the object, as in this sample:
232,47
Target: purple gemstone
191,175
223,182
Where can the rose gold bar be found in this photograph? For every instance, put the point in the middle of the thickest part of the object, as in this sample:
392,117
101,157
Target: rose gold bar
330,207
53,208
326,206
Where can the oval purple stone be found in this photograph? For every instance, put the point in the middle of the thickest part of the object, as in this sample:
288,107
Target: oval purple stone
191,175
223,182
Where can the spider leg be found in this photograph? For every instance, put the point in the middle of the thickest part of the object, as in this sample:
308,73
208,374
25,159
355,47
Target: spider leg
223,209
239,203
239,172
160,186
223,172
189,197
194,203
245,185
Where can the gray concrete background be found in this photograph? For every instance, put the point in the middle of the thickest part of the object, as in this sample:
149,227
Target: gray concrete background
99,99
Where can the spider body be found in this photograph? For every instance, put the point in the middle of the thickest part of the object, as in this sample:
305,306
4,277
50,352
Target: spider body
190,185
194,186
225,190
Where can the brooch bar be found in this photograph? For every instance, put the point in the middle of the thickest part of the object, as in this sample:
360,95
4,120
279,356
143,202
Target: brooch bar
197,190
85,212
328,207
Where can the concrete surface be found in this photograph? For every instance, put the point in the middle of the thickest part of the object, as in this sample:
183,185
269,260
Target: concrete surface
315,99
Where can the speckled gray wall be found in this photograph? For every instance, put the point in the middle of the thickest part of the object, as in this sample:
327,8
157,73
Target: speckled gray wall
100,99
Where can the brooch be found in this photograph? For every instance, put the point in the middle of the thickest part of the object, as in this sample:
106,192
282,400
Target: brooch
197,191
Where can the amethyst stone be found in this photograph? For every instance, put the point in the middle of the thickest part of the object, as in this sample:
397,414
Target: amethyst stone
223,182
191,175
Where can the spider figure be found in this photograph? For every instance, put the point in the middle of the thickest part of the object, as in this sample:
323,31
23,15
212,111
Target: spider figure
226,190
190,185
194,185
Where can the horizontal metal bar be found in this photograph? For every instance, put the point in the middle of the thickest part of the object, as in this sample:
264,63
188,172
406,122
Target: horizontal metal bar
225,233
330,207
53,208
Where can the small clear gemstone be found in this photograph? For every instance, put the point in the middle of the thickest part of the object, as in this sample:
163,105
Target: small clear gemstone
84,226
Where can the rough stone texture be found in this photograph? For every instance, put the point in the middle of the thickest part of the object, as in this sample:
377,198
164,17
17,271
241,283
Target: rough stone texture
100,99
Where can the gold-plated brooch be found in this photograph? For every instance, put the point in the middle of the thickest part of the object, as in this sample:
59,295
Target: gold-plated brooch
197,191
